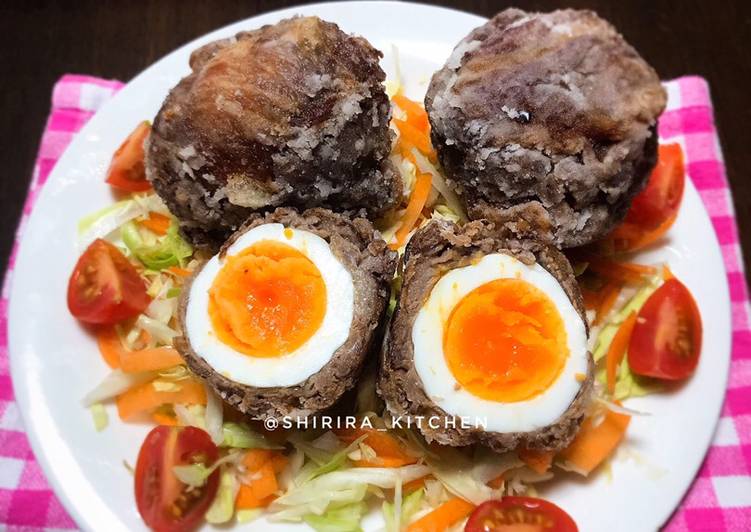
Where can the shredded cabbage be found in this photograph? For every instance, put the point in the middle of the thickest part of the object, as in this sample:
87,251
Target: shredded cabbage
240,436
343,519
214,416
454,470
409,507
439,183
191,415
171,250
116,383
342,487
246,516
99,415
223,507
106,221
196,474
161,332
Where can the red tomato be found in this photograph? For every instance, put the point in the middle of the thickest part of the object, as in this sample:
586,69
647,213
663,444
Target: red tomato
127,170
655,208
105,287
165,503
519,514
666,339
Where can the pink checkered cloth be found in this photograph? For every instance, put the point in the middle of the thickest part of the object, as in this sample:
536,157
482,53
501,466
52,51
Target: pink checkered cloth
718,500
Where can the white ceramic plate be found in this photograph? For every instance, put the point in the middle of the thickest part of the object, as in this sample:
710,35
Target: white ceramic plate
54,361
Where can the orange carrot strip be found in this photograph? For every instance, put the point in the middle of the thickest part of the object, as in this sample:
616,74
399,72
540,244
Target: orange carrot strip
538,461
617,349
255,458
164,419
591,298
627,272
264,482
416,203
609,296
179,272
440,519
593,444
149,359
667,273
145,398
109,345
156,223
384,444
416,114
383,461
497,482
279,462
412,136
247,501
416,484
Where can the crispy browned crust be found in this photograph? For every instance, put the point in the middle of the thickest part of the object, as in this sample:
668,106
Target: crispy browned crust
290,114
370,262
433,250
554,112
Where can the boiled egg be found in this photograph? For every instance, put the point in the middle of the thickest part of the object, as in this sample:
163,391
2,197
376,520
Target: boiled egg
498,341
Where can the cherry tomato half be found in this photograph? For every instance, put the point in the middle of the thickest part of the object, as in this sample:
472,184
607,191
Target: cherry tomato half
655,208
165,503
519,514
666,339
105,287
127,170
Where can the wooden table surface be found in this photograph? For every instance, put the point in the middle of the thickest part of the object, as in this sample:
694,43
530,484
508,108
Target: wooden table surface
39,41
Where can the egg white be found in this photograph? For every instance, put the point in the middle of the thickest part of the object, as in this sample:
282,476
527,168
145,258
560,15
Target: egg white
292,368
439,382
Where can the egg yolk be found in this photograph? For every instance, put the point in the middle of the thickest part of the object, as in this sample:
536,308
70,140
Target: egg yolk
505,341
267,300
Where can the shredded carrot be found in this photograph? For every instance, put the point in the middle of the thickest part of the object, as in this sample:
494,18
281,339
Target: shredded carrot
667,274
389,451
497,482
625,272
247,501
179,272
145,398
264,481
260,485
416,484
440,519
417,202
537,461
591,298
164,419
279,462
416,114
110,345
156,223
255,458
617,349
154,359
594,443
412,136
608,298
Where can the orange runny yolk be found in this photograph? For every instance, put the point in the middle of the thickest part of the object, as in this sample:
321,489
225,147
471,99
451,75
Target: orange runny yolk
505,341
267,300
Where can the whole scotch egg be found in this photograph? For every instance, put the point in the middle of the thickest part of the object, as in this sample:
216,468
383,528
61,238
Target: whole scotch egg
488,343
281,320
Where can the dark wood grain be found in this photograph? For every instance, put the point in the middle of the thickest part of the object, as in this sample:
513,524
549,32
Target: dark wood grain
39,41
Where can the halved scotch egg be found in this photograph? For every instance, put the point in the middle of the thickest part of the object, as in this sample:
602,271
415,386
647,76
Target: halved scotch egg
488,343
281,320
